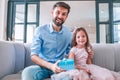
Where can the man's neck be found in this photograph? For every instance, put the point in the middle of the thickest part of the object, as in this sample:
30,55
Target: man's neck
56,28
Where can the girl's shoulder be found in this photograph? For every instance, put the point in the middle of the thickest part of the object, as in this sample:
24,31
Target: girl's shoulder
73,49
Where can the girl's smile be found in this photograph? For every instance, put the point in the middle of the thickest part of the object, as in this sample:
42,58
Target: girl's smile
81,38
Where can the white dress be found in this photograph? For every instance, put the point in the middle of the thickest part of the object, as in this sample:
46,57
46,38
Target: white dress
97,72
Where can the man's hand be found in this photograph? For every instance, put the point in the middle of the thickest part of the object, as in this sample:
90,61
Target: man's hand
54,67
57,69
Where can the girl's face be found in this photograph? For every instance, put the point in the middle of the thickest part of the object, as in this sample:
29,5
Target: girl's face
81,38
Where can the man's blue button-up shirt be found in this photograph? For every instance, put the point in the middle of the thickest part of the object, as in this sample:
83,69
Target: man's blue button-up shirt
49,44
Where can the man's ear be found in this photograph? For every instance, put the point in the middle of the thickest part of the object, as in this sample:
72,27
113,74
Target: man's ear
52,12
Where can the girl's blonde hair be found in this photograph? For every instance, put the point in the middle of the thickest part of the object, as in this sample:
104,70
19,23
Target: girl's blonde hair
74,43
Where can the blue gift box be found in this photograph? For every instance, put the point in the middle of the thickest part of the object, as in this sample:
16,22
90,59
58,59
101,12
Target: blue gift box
67,64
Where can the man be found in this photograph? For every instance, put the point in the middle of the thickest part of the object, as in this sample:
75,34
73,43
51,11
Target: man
51,42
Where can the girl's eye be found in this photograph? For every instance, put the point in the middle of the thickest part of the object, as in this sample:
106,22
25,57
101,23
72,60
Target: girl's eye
78,37
83,36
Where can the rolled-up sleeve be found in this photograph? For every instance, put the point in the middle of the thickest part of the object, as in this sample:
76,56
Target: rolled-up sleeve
36,43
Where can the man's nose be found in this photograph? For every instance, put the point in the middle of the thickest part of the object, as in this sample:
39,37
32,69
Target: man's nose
60,15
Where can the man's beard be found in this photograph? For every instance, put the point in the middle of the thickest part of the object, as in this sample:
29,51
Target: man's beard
58,23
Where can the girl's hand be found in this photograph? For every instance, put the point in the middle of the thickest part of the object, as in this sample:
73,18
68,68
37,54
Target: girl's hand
88,71
85,69
90,52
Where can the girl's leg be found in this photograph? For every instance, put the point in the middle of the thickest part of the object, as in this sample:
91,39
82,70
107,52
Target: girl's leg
84,75
116,75
35,72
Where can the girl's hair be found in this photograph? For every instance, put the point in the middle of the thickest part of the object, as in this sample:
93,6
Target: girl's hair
74,43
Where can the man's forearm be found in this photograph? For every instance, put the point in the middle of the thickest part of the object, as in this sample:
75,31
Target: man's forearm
36,59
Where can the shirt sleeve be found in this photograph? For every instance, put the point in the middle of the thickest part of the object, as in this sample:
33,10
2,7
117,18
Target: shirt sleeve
36,42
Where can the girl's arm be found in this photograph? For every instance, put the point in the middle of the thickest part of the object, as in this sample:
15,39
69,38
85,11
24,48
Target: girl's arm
89,60
90,55
83,68
71,55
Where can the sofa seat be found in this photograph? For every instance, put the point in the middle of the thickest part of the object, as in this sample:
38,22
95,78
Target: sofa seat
16,76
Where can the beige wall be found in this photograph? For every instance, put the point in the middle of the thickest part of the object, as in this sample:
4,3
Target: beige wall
3,20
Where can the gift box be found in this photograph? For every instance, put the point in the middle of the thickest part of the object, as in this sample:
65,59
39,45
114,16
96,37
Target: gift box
67,64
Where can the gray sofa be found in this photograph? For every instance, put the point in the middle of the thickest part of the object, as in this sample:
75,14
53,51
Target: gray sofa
14,57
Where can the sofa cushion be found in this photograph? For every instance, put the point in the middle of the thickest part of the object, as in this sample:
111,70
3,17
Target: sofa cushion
19,56
28,60
104,55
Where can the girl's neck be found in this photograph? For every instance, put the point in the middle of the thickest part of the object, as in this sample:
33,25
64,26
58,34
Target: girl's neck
80,46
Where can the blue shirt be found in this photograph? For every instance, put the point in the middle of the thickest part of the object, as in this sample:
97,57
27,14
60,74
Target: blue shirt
49,44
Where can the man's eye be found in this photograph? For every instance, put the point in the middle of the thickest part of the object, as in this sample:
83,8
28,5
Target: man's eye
57,12
64,14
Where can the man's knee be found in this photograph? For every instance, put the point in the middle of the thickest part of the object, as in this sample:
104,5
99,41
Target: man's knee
29,73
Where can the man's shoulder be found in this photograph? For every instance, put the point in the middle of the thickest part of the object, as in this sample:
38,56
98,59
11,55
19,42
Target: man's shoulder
67,30
66,27
42,27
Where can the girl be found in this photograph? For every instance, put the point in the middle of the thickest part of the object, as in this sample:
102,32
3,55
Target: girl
82,54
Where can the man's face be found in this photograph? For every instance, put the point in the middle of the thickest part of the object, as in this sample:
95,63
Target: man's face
59,15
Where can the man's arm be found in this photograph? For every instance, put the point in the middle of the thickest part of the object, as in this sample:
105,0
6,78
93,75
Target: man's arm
36,59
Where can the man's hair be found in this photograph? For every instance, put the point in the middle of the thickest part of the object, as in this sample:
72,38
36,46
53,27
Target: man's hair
62,4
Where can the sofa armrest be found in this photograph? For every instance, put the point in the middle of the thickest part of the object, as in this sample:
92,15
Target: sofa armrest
7,58
12,57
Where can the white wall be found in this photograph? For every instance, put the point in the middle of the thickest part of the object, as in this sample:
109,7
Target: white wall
82,14
3,20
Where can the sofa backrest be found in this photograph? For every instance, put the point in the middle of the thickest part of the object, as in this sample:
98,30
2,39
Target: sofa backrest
117,56
104,55
107,55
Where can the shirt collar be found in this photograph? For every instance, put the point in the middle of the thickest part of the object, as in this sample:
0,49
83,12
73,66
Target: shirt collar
52,30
